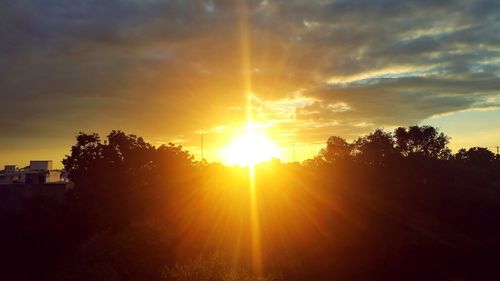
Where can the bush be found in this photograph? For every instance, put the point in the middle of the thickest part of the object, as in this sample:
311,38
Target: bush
212,268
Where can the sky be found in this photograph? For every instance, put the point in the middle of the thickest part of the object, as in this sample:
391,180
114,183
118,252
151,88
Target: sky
168,69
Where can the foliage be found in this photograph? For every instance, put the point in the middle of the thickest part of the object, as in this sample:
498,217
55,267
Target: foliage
476,157
123,171
337,149
375,148
379,147
212,268
386,206
137,252
423,141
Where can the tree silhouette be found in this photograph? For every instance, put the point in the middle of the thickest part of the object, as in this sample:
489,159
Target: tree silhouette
476,156
121,178
337,149
384,207
375,148
422,141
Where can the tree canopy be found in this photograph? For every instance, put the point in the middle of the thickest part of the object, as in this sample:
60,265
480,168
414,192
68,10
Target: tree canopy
385,206
379,147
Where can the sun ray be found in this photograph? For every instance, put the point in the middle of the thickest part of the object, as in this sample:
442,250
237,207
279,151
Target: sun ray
246,67
255,225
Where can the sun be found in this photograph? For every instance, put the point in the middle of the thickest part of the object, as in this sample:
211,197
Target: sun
249,149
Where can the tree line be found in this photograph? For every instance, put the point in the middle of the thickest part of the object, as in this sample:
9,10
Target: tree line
386,206
415,142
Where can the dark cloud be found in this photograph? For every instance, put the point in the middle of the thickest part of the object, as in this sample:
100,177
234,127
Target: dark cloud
66,66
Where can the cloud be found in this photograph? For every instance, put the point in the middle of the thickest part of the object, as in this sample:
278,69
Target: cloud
175,66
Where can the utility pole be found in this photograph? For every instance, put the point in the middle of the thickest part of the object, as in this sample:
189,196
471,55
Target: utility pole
201,139
498,147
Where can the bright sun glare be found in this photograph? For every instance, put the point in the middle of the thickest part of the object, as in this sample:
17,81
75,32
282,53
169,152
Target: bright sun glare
249,149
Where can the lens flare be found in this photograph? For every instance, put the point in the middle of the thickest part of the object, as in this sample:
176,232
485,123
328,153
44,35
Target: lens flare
249,149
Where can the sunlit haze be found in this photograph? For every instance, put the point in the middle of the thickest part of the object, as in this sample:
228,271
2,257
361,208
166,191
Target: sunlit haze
249,149
165,70
249,140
